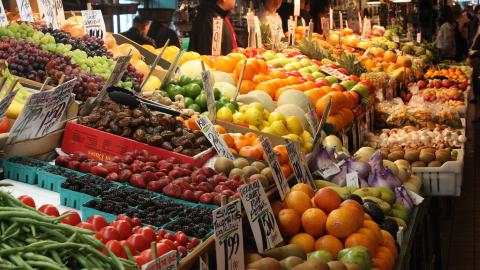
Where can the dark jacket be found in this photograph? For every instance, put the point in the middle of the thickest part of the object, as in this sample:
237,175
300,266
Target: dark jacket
202,32
160,34
135,35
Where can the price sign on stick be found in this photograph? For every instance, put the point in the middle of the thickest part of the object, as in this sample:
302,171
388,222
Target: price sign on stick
218,143
299,166
325,26
93,23
352,180
240,79
312,117
291,31
360,22
419,37
208,86
171,70
217,36
25,10
42,114
296,8
310,29
120,67
3,15
227,223
273,163
318,133
52,12
154,65
260,216
258,32
167,261
7,100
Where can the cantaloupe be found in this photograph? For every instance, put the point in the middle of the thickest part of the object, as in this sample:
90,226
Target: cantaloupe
193,68
258,96
220,76
292,110
294,97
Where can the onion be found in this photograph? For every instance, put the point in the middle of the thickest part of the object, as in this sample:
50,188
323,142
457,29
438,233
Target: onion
332,141
364,154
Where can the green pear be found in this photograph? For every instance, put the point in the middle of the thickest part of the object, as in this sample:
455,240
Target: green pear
291,262
283,252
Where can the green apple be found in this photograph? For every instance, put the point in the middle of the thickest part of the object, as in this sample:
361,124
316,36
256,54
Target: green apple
331,79
317,74
361,89
238,117
279,55
297,65
348,84
268,55
289,67
314,68
321,254
305,62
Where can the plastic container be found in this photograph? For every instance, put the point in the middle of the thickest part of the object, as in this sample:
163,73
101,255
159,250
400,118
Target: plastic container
445,180
88,212
73,199
20,172
49,180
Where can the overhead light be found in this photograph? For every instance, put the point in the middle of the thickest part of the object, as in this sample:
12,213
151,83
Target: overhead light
373,3
401,1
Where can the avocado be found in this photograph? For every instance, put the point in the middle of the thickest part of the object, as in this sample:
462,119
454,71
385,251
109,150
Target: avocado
400,222
381,203
374,211
355,198
390,226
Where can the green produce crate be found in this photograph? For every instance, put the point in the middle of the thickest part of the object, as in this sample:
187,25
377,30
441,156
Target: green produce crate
73,199
20,172
88,212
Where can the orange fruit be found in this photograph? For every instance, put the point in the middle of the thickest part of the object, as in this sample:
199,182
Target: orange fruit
224,63
315,94
304,188
390,57
356,209
380,263
387,237
282,154
298,201
236,57
220,129
327,199
247,86
304,240
375,228
392,247
232,151
276,207
384,253
286,169
370,234
330,243
340,223
229,140
251,152
367,216
250,70
358,239
313,221
207,60
289,222
338,102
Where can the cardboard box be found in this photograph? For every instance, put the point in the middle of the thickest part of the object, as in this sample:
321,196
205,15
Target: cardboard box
103,145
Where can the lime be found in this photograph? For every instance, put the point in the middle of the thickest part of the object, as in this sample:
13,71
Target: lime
224,100
198,81
217,93
188,101
173,90
219,104
184,80
235,105
201,100
206,113
195,107
230,106
192,90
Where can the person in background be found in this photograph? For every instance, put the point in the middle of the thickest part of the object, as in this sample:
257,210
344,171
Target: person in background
474,61
461,32
138,32
202,33
473,26
160,33
286,10
268,15
445,42
319,9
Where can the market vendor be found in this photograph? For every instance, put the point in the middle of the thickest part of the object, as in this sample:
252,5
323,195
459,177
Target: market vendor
202,33
268,14
138,32
160,33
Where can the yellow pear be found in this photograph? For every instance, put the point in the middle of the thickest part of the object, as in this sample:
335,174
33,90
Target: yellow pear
279,128
294,125
293,137
308,146
275,116
306,136
238,117
268,130
153,83
266,114
257,105
253,116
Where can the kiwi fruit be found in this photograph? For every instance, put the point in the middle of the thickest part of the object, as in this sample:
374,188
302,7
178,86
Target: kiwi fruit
411,155
426,156
393,156
442,155
240,163
261,178
237,172
249,171
259,165
434,163
419,164
252,257
336,265
223,164
267,172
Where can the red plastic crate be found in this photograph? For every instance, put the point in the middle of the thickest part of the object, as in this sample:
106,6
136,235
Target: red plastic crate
103,145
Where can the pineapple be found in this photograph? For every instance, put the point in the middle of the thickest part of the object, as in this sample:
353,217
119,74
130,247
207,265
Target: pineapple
313,50
351,64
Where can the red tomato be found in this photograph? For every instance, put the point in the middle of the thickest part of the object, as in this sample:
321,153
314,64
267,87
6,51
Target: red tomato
182,250
145,257
110,233
4,125
162,248
195,241
169,243
73,219
124,217
181,237
123,227
27,200
138,242
98,221
162,232
170,236
136,221
49,210
126,244
87,226
135,229
148,233
116,247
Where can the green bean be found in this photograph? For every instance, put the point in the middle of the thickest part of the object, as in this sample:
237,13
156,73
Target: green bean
56,257
45,265
64,227
116,262
9,266
20,262
94,261
15,233
37,257
82,261
2,226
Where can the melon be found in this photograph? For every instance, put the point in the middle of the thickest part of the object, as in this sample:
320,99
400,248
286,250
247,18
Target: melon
258,96
227,89
193,68
292,110
294,97
220,76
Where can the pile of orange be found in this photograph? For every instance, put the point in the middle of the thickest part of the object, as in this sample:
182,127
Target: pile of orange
451,73
253,68
321,221
273,85
301,87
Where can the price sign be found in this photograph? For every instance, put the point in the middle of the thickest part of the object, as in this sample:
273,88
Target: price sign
303,26
334,72
3,16
419,37
208,86
324,22
227,222
251,30
367,51
218,143
258,32
43,113
352,180
367,27
203,265
171,70
6,101
167,261
291,31
52,12
331,22
360,22
400,236
310,29
296,8
299,166
217,36
260,216
25,10
312,117
417,199
117,73
93,23
328,171
273,163
344,138
340,16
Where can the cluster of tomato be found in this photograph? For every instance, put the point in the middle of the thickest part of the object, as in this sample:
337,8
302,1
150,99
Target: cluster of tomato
125,235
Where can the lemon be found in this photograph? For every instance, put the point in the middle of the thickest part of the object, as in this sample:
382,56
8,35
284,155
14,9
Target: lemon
225,114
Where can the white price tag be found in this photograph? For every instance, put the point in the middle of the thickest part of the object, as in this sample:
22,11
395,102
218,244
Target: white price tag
52,12
6,101
303,26
291,31
417,199
203,265
352,180
367,51
328,171
325,26
296,8
312,117
260,216
400,236
334,72
340,16
258,32
217,36
167,261
172,69
208,87
273,163
331,22
3,16
218,143
25,10
310,29
120,68
419,37
299,166
227,222
360,22
43,113
93,23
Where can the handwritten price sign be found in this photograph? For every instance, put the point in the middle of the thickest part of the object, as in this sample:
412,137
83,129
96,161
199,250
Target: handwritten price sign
218,143
217,36
3,15
93,23
208,85
25,10
227,222
260,215
278,176
167,261
299,165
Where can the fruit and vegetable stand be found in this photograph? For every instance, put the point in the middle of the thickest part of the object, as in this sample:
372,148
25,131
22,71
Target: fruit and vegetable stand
313,157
